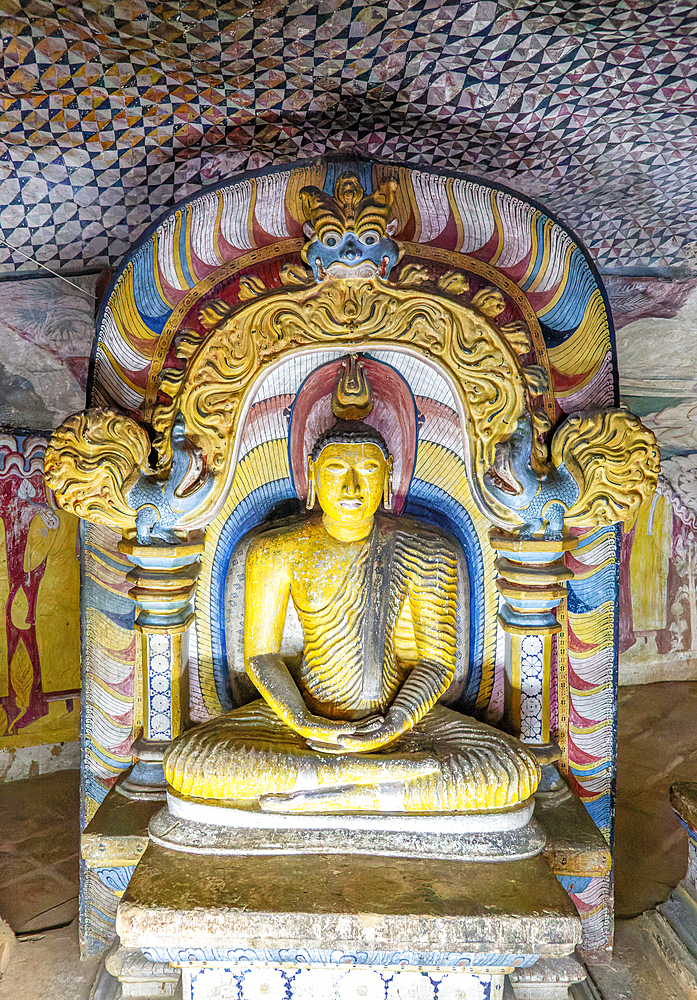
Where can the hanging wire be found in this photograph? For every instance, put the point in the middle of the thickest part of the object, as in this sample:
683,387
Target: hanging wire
54,273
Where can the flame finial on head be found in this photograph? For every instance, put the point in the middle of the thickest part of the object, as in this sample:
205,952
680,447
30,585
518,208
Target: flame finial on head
352,398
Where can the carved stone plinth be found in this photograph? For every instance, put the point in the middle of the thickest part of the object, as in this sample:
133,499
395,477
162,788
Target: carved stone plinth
207,828
286,916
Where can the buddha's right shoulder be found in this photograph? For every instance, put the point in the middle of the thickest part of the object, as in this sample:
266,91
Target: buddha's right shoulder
290,536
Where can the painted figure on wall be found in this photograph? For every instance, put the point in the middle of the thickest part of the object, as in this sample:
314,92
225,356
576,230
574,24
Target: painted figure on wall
40,602
52,543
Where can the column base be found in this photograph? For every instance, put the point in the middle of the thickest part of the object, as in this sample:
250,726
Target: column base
546,753
141,978
547,979
146,779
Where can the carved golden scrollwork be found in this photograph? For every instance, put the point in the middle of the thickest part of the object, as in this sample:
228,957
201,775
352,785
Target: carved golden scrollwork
356,314
91,462
95,457
615,461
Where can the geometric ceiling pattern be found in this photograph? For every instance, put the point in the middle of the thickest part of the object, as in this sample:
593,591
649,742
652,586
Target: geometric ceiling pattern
112,112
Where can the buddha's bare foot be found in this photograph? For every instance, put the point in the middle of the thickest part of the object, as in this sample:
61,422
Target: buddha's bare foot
340,798
378,785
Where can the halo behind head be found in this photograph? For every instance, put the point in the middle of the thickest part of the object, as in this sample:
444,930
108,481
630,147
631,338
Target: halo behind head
352,401
393,416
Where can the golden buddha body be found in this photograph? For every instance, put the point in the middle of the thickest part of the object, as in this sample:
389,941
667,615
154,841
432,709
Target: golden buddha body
353,723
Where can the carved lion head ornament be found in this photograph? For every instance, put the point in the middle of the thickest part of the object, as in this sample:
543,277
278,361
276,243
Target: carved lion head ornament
349,234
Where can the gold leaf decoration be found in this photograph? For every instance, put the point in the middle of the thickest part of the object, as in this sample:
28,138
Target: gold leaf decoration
413,276
251,286
454,283
517,335
293,274
213,313
615,461
91,462
353,315
490,301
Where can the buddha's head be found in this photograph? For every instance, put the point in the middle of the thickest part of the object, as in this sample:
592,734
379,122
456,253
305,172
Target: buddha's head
350,467
350,472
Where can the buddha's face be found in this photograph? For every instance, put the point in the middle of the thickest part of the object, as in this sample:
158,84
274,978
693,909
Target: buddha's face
350,480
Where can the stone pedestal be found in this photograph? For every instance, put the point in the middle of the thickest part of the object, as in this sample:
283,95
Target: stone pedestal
308,926
117,837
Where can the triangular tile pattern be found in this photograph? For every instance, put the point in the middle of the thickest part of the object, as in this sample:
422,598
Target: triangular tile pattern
114,112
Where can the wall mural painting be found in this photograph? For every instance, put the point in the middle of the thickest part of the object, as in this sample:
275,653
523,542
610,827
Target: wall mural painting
46,333
40,602
658,595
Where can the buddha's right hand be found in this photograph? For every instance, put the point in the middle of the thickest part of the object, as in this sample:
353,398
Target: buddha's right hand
272,678
322,734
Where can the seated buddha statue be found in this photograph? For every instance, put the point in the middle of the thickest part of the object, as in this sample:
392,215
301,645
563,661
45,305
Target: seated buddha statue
353,723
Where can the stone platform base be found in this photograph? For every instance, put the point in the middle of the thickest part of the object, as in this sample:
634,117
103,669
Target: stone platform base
133,976
148,981
204,828
344,927
276,983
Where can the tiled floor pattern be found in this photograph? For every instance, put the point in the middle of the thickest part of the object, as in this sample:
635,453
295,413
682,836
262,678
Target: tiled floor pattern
657,745
39,851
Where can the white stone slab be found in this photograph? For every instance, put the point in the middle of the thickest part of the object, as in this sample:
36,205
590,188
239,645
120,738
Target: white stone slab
215,814
387,836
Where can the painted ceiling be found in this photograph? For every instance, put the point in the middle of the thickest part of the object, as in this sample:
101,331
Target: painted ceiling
112,112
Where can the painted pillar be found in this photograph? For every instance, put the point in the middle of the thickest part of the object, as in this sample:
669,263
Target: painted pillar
532,582
164,586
